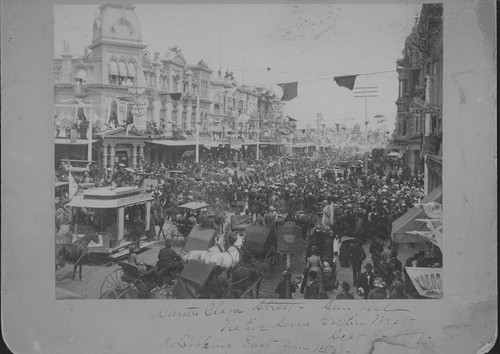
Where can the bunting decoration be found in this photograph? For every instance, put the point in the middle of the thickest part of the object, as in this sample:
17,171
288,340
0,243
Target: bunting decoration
73,186
289,90
346,81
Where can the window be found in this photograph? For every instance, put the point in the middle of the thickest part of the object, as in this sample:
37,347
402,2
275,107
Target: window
240,107
176,84
217,105
131,72
122,73
113,73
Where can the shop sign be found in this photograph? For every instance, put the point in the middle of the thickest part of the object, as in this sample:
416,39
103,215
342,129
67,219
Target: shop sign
427,281
289,239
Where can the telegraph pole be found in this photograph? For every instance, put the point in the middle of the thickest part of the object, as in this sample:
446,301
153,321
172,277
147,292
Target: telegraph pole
365,92
197,152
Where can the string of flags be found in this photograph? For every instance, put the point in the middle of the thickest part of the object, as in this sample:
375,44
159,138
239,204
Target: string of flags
290,89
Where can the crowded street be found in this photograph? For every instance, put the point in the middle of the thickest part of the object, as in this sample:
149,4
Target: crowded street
365,205
177,178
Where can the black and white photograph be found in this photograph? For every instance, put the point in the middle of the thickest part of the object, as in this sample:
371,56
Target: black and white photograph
291,160
247,166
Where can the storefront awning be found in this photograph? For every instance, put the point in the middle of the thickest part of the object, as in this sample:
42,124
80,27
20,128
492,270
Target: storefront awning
75,142
173,142
407,222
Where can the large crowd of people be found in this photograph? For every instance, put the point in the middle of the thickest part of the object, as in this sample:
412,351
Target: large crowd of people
365,200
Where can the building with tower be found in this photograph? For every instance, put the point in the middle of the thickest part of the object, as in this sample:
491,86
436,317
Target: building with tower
120,103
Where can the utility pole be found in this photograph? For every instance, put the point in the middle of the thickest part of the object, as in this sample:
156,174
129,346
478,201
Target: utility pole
258,138
89,134
197,152
365,92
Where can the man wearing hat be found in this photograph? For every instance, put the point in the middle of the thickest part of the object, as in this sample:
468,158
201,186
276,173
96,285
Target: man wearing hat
281,287
168,259
344,295
379,290
365,281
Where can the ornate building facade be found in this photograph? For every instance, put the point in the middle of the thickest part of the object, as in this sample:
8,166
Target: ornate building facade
143,108
419,104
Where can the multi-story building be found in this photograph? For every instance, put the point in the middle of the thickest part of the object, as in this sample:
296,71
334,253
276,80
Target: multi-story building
419,119
143,108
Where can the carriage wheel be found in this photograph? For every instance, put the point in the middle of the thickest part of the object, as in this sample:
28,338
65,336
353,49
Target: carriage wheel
112,282
172,232
271,261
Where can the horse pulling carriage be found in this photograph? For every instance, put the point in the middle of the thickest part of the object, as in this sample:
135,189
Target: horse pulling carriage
260,241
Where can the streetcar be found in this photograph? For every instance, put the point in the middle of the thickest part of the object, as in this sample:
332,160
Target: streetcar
109,211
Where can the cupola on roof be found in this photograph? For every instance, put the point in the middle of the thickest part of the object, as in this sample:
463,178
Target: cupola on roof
117,23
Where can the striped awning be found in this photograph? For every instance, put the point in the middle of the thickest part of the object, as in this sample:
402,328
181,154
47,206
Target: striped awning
407,222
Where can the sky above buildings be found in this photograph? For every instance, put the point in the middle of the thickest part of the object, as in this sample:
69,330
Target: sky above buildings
266,44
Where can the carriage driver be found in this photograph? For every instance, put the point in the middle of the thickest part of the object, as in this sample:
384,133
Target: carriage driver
168,259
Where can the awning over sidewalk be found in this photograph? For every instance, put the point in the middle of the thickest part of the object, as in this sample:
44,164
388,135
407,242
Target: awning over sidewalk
407,222
174,142
75,142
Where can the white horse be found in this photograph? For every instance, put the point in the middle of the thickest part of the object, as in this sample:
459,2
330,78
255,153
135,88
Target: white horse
200,255
224,259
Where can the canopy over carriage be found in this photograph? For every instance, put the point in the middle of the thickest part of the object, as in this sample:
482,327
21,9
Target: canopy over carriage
200,239
240,222
260,240
199,280
104,210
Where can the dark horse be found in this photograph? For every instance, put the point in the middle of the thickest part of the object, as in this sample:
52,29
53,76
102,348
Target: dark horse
75,252
61,254
243,280
139,289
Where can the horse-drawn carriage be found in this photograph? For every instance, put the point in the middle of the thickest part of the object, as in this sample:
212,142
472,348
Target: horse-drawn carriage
220,272
188,216
260,241
130,282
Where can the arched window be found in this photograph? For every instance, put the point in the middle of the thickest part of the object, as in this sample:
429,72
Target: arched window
113,73
122,73
131,72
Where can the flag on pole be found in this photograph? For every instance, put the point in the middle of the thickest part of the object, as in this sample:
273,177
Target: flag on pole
73,186
289,90
346,81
